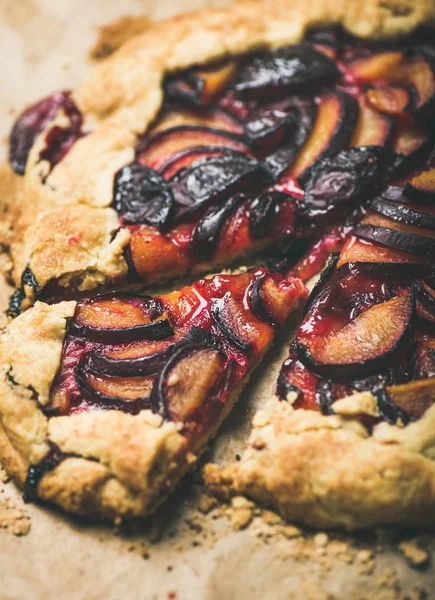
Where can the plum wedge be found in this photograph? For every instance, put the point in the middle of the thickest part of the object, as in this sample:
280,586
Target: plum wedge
363,345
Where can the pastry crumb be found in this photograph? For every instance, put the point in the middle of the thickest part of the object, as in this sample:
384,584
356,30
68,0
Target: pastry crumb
13,519
240,512
416,556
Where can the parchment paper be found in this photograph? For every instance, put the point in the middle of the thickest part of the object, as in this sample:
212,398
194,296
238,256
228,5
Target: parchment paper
181,554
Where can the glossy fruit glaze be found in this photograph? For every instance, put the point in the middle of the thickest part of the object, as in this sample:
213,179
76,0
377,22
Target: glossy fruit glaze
181,354
369,324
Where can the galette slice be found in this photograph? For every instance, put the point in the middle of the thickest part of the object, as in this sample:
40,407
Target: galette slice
351,441
260,150
105,403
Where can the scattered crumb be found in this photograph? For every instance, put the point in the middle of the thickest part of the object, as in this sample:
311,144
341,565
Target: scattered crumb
207,504
240,512
13,519
290,531
4,477
320,540
416,556
387,578
365,563
115,34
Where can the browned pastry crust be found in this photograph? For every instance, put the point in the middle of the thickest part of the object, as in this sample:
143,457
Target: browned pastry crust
327,471
122,96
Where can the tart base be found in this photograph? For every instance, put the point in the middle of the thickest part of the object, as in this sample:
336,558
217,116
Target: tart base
326,471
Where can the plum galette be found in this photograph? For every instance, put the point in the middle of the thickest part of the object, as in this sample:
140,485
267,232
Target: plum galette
299,130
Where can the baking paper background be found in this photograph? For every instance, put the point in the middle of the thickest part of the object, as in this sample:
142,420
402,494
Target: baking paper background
43,47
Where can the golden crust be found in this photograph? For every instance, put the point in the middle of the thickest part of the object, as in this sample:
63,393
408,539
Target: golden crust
123,94
327,471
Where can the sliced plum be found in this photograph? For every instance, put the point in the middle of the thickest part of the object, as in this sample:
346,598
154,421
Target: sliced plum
418,72
29,124
414,397
206,232
201,85
373,128
304,116
142,196
325,40
155,150
154,253
404,213
144,358
60,139
333,130
287,70
352,175
185,158
213,179
237,325
390,100
262,212
425,301
126,394
362,346
268,298
215,117
375,66
266,127
297,384
186,382
412,140
325,396
421,188
362,251
115,320
407,238
323,288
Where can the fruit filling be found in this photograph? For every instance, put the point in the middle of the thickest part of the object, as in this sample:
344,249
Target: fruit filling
182,355
271,149
366,345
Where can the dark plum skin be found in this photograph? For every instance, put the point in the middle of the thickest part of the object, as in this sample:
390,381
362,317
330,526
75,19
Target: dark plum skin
208,180
36,472
325,396
157,330
206,233
403,213
142,196
262,212
352,175
304,114
290,69
419,245
265,123
31,123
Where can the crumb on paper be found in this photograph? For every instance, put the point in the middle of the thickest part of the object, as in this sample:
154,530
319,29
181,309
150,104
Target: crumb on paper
416,556
240,512
115,34
4,477
13,519
207,504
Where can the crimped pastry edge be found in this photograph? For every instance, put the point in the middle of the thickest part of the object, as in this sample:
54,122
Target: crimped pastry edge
328,472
